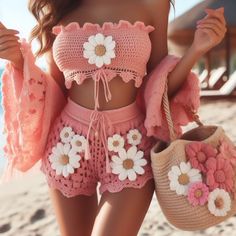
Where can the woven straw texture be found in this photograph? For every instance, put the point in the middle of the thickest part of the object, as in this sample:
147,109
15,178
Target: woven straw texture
177,209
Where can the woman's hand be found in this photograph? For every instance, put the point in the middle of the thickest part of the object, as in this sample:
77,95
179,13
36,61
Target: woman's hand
210,30
10,47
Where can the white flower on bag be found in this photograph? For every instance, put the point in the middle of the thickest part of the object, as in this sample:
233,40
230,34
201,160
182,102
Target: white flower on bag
78,143
66,134
219,202
181,176
127,164
99,49
115,143
64,159
134,137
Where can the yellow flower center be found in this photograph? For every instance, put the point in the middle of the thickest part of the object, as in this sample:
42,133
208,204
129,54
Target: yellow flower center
128,164
64,159
198,193
100,50
66,134
134,136
219,203
115,143
183,179
78,143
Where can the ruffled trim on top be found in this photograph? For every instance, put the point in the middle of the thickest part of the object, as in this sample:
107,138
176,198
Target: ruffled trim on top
80,76
122,24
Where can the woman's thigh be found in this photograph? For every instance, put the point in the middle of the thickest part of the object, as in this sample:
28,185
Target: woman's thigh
75,215
73,195
122,213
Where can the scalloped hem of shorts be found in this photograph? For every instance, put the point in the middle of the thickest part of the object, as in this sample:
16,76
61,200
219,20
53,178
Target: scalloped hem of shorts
114,188
77,193
54,186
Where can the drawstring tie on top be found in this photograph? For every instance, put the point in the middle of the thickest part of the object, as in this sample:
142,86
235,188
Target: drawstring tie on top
100,74
99,116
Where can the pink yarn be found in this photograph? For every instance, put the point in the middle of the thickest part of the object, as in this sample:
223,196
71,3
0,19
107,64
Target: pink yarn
133,48
227,150
185,99
220,174
30,105
193,191
198,153
85,178
33,100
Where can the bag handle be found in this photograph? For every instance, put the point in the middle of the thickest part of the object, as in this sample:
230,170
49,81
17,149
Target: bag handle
166,106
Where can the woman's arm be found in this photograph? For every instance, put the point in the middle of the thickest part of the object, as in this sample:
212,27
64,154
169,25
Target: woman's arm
208,34
158,11
181,71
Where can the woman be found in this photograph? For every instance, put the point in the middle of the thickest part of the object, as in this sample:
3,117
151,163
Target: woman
100,140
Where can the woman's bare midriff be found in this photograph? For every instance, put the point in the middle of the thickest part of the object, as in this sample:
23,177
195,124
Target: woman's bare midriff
122,93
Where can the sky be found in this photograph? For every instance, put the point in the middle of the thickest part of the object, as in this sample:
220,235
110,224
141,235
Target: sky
14,14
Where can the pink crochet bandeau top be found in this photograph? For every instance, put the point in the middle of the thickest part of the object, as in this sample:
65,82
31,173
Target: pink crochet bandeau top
102,52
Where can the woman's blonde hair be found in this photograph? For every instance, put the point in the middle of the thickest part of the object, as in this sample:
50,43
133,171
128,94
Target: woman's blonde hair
47,14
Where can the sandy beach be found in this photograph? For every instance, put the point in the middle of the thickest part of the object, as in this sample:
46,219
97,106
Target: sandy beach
26,209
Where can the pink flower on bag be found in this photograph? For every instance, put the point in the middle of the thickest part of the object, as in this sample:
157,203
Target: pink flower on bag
220,174
227,150
198,153
198,193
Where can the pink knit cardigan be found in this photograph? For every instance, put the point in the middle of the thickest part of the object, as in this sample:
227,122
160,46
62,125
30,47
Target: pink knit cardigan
31,101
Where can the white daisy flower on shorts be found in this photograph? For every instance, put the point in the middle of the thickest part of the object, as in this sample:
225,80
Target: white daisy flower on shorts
66,134
64,159
78,143
99,49
127,164
115,143
134,137
181,176
219,202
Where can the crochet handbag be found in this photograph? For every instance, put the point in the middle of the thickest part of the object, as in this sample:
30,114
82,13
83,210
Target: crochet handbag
195,175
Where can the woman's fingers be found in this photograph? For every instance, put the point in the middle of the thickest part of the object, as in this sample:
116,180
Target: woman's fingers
9,44
8,38
4,32
211,27
214,23
211,20
10,47
218,14
10,52
219,29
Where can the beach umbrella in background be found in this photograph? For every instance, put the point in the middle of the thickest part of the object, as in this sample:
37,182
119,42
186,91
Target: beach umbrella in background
181,32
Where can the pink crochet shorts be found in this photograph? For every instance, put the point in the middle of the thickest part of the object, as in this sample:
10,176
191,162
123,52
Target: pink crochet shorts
86,147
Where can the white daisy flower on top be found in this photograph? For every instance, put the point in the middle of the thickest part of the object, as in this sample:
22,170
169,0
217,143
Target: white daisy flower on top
134,137
127,164
66,134
115,143
99,49
219,202
182,176
64,159
78,143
